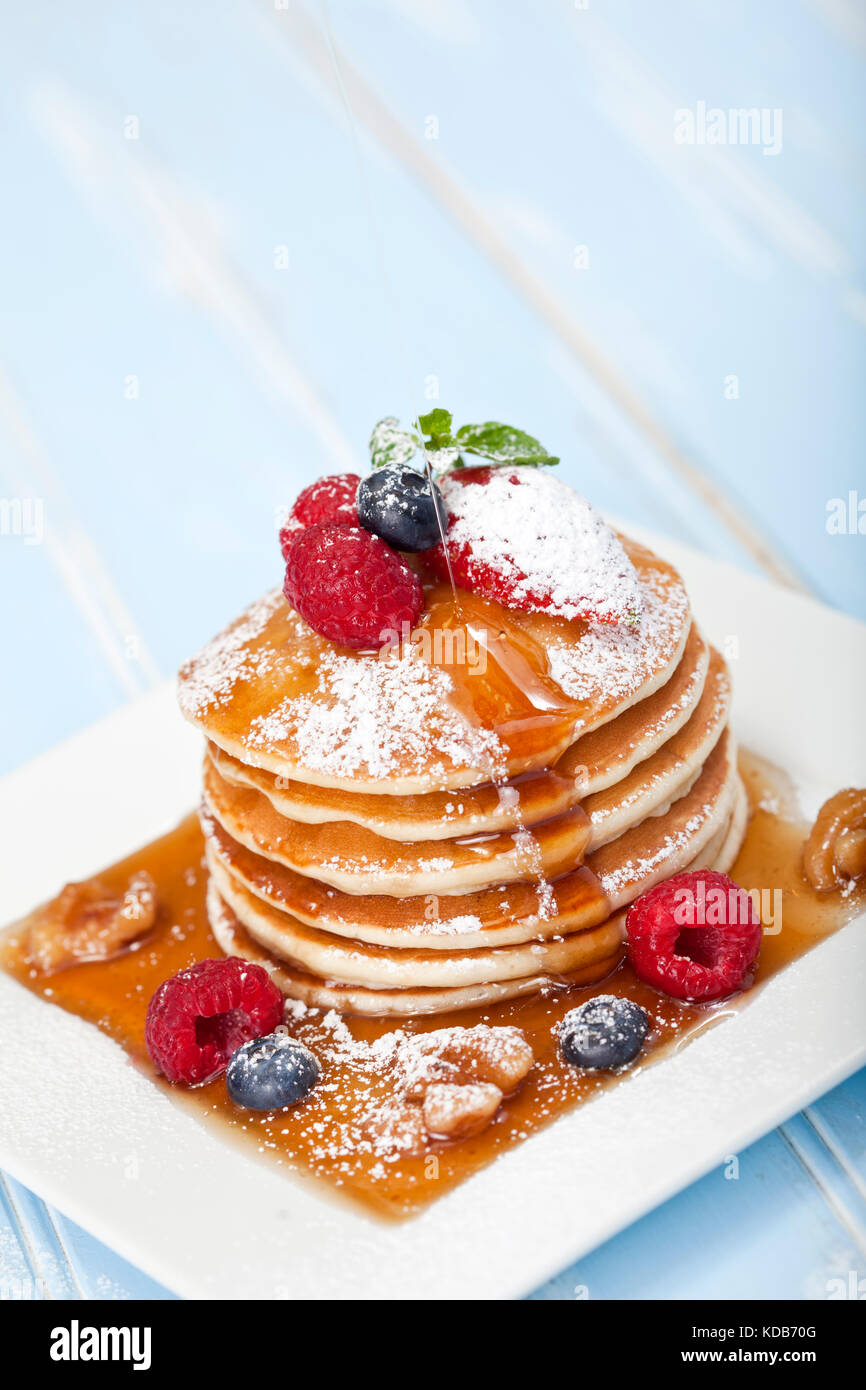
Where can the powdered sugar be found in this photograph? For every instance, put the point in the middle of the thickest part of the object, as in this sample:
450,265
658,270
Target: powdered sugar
465,925
370,715
211,676
612,663
359,716
392,1073
550,545
619,880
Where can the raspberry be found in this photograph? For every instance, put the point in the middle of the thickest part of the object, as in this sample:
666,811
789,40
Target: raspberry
327,499
350,586
199,1017
697,936
526,540
466,569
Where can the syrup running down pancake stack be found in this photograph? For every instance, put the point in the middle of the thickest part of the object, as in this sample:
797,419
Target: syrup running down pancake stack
462,816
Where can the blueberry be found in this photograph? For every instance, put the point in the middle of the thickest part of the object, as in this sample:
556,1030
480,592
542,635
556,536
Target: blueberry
398,505
270,1073
604,1033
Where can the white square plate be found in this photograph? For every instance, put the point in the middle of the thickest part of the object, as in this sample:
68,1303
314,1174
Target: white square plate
91,1134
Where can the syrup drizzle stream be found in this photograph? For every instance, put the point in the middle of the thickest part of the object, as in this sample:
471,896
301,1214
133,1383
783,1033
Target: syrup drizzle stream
535,689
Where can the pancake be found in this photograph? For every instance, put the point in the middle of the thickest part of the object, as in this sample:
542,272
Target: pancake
599,759
736,831
665,845
710,855
357,861
668,774
352,999
505,915
466,815
430,714
590,765
353,962
502,915
523,801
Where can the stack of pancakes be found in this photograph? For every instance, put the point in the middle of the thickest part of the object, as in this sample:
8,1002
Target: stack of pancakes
464,816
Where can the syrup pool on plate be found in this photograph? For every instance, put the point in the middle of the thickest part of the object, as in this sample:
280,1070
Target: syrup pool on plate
333,1133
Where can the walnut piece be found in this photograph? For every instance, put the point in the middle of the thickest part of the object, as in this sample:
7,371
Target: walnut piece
448,1084
461,1075
498,1056
835,852
456,1112
87,922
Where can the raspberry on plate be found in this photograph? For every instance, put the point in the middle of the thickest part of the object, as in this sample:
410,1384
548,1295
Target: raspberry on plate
696,936
199,1017
350,586
521,537
327,499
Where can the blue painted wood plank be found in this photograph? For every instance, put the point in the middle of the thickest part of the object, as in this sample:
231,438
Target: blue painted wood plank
63,641
35,1262
43,1255
100,1273
837,1184
18,1278
840,1120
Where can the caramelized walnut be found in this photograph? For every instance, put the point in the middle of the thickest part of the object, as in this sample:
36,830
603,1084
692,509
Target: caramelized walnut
835,852
448,1084
456,1112
461,1075
498,1056
87,922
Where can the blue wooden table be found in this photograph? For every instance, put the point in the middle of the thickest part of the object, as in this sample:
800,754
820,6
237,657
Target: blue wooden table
225,255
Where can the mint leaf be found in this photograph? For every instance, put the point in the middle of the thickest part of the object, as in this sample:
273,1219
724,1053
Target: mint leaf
502,444
436,427
390,445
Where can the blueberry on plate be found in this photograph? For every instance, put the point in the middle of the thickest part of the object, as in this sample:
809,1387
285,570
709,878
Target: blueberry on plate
398,505
270,1073
604,1033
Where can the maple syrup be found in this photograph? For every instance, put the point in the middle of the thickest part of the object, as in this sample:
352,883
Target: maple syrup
470,697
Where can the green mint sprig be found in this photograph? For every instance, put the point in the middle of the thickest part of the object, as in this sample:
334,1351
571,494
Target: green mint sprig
392,446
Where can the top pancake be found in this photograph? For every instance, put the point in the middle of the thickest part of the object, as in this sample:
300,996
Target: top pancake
478,693
592,764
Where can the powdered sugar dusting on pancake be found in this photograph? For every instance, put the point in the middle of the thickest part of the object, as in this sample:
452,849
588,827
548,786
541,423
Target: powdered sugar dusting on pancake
370,716
638,869
274,693
613,662
211,676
